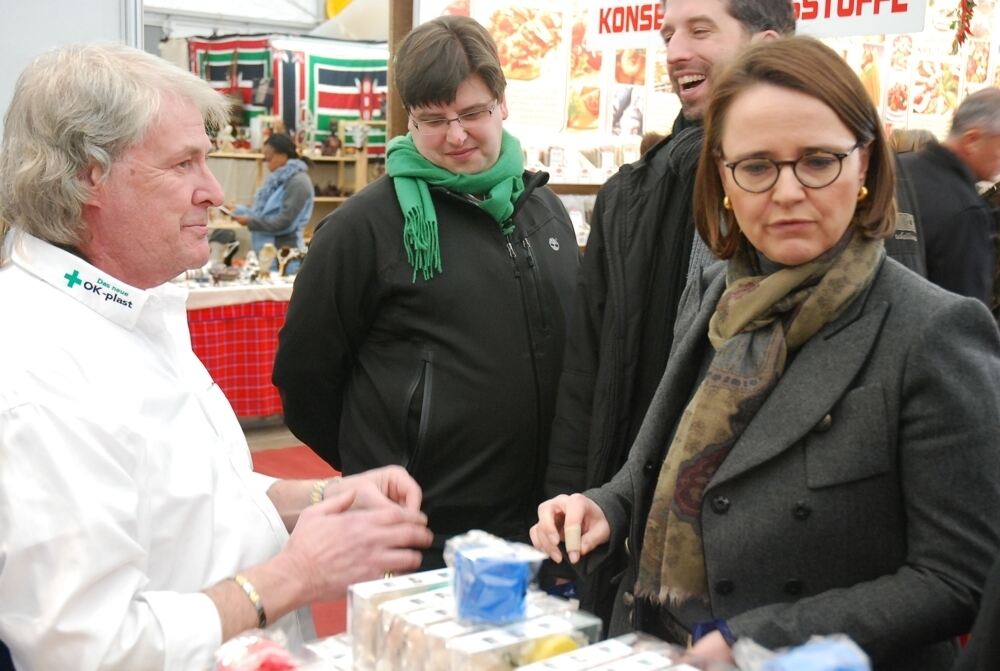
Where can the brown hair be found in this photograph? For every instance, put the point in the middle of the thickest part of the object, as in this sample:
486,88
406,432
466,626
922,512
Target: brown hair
808,66
437,56
760,15
903,140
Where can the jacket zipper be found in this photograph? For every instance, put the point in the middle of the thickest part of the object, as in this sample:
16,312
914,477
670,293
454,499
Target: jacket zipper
536,282
513,259
529,506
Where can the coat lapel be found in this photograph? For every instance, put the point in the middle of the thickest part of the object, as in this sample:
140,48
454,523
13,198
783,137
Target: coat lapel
817,378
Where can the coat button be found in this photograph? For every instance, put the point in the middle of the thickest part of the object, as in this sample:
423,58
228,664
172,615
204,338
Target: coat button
720,504
801,511
628,599
824,424
724,587
648,468
793,587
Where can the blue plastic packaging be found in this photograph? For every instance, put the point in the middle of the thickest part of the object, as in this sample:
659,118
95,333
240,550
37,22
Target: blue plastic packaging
492,577
822,654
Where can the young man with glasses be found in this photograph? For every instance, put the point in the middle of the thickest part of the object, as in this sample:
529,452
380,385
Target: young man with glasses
427,323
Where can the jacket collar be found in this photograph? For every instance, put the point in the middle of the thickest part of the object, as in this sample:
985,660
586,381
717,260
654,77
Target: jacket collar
106,295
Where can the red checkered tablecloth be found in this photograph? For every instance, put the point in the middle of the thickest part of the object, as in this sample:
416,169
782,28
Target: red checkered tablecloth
237,344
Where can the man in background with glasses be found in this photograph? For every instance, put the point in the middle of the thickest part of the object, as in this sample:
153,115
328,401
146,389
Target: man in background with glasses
427,323
957,223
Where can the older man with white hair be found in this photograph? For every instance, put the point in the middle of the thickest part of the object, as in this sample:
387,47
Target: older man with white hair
133,532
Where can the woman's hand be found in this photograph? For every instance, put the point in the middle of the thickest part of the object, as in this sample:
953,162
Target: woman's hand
574,519
712,646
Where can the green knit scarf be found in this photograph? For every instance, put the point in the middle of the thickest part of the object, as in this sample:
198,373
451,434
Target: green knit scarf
412,174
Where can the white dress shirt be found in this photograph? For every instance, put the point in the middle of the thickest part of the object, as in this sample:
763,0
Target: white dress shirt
125,480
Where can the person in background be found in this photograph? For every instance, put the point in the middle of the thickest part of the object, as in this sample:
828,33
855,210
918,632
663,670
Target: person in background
820,456
958,225
427,323
284,202
134,533
904,140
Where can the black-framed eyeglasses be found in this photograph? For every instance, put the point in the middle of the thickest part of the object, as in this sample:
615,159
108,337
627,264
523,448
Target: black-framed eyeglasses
467,120
814,170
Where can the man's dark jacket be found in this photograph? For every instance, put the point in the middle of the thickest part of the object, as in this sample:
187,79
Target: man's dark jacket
621,324
453,377
957,223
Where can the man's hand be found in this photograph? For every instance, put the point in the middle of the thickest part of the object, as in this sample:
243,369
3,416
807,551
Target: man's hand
333,545
379,487
574,519
242,219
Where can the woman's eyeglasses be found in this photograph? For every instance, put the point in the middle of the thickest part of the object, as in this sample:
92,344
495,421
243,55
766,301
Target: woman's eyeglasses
813,170
468,120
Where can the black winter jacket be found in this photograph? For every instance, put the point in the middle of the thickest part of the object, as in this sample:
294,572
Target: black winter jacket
455,377
621,325
958,224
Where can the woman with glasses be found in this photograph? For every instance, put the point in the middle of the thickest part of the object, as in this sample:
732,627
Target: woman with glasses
822,453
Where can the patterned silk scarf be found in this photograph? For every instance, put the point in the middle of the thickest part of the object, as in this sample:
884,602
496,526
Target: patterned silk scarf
758,320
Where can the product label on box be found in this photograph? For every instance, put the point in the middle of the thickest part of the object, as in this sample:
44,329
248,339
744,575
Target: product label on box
367,590
584,658
447,630
431,599
422,618
644,661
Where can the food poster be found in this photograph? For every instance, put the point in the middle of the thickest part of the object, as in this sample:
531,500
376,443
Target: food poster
557,83
915,79
664,105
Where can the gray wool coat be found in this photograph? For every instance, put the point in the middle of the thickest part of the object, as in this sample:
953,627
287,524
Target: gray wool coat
864,497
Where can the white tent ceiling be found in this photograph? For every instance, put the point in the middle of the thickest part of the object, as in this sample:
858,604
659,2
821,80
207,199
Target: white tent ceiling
358,20
299,16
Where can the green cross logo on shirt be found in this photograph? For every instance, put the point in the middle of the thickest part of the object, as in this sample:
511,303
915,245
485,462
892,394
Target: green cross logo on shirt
74,279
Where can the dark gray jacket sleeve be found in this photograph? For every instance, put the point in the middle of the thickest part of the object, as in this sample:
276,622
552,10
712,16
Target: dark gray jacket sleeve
949,469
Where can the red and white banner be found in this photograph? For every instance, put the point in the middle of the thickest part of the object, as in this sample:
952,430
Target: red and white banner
851,18
617,23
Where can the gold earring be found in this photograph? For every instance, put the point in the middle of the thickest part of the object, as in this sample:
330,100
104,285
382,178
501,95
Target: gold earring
726,203
862,193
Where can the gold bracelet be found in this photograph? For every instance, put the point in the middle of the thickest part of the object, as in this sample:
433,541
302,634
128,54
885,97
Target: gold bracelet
254,597
318,492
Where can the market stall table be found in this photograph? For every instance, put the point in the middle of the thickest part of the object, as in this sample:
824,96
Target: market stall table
234,331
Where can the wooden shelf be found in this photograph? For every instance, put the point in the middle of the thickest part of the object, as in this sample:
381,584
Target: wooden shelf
574,189
349,158
329,199
237,154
